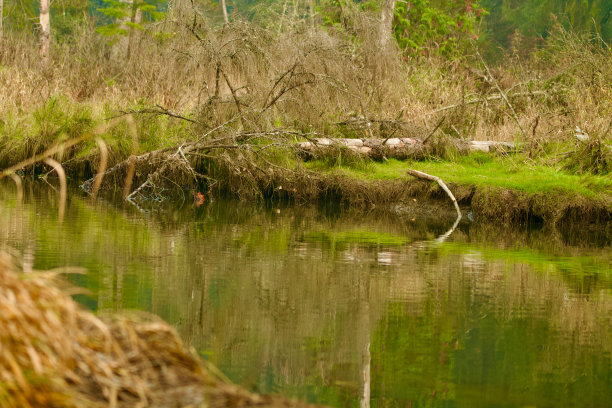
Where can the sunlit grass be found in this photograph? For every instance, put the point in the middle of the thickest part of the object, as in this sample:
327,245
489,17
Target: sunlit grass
485,170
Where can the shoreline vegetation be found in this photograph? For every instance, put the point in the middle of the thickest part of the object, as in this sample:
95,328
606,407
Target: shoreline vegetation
204,109
221,110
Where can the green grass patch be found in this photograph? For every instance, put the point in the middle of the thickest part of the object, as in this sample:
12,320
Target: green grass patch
59,118
482,170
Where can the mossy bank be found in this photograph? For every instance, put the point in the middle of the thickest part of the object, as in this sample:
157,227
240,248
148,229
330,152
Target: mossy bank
497,190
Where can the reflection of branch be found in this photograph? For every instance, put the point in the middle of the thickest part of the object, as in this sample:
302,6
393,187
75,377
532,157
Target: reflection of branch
19,185
367,379
101,167
447,234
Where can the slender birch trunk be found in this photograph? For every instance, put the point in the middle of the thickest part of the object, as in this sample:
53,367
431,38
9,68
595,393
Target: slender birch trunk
45,31
386,22
311,6
280,26
224,6
135,18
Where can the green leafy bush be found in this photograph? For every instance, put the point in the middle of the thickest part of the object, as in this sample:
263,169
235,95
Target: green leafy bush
436,27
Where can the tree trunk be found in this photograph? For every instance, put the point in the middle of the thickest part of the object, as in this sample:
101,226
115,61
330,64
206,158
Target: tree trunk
223,5
135,18
311,6
45,31
282,18
386,22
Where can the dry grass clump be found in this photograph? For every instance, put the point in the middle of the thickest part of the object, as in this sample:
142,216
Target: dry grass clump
54,354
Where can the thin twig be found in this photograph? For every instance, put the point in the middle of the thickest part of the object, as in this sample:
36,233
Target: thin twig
434,129
489,98
236,100
159,111
512,111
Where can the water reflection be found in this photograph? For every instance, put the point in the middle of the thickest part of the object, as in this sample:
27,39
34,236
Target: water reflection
342,308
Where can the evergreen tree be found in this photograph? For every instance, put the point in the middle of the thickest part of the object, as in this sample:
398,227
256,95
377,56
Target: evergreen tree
124,16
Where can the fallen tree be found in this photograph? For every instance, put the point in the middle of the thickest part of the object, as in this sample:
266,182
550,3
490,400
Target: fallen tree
258,153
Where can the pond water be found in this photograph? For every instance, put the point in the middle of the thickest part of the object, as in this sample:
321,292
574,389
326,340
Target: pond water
345,308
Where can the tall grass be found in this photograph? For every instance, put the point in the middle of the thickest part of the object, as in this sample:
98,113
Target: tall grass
303,78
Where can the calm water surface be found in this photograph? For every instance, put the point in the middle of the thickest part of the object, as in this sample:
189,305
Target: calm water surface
341,308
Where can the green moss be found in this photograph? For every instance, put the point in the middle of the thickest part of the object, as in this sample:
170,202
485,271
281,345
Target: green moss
481,170
59,118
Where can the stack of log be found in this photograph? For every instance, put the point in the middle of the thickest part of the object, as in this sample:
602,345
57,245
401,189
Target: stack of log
399,148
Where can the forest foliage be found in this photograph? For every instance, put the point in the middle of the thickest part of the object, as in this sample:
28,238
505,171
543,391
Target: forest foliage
419,26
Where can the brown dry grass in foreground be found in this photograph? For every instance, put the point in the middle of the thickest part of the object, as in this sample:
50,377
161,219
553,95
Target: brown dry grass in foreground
55,354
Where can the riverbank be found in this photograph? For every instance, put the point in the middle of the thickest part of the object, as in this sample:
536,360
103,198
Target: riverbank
506,188
498,190
179,117
497,187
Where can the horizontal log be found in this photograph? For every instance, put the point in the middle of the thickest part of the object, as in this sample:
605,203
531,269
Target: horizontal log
399,147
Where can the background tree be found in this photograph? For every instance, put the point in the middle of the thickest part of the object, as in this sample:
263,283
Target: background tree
69,16
437,26
524,24
224,7
125,18
45,30
386,22
20,16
